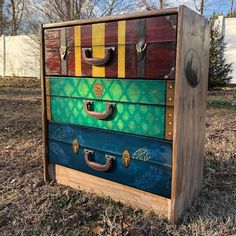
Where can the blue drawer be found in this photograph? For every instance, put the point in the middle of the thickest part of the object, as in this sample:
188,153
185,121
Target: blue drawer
150,159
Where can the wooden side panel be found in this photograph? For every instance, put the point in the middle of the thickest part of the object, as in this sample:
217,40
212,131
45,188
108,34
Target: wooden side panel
45,39
133,197
190,106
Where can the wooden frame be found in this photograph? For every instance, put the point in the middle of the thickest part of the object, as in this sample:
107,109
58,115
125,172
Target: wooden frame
188,128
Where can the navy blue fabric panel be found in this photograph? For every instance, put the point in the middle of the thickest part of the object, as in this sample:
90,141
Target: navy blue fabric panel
140,148
142,175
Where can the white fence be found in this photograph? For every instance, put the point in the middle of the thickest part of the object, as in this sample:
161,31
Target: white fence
19,56
229,30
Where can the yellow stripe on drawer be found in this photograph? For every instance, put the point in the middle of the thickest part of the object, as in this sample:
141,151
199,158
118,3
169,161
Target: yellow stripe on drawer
48,108
98,43
48,99
121,49
77,51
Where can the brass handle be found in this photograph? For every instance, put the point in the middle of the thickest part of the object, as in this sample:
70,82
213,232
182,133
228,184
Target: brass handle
98,115
86,55
97,166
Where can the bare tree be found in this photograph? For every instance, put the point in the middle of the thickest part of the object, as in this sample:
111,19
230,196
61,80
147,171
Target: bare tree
231,7
161,4
16,9
153,4
1,17
201,6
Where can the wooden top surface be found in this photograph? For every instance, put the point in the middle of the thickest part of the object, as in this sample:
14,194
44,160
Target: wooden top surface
113,18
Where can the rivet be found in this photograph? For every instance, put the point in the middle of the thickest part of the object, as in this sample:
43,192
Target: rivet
170,115
170,99
170,87
166,76
172,68
170,123
169,133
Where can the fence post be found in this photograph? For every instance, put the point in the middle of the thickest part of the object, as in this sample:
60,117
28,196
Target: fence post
3,56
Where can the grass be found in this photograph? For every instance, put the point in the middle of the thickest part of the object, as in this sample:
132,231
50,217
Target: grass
28,206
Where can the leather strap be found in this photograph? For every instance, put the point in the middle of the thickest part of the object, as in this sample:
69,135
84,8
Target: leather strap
63,51
141,45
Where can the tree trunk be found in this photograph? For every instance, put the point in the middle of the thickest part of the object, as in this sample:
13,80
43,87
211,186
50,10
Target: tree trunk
231,7
1,17
161,4
202,7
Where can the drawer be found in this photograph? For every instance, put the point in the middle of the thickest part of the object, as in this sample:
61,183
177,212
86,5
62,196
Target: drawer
117,49
142,163
155,92
127,106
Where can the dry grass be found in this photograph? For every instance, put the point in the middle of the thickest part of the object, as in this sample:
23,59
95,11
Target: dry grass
28,206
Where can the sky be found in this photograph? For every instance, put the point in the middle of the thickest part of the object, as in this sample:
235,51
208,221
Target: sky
210,5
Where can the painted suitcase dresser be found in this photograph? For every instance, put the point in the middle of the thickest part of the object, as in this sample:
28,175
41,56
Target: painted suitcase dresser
124,101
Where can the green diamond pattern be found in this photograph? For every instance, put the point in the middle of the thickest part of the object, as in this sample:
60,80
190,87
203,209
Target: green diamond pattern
119,90
147,120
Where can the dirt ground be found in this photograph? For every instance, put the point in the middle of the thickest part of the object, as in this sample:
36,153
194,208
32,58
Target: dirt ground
28,206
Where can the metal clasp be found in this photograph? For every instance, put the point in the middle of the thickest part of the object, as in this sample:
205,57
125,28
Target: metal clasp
63,51
141,46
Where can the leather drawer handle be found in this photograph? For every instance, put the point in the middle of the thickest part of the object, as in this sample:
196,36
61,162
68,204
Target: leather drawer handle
86,55
95,165
98,115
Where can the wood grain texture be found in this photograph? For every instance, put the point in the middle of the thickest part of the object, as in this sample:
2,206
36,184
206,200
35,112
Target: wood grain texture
121,48
154,63
86,42
190,107
111,39
77,52
133,197
160,29
98,48
52,61
160,59
151,13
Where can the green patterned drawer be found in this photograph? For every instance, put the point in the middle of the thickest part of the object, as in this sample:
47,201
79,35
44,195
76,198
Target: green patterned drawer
146,120
132,91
